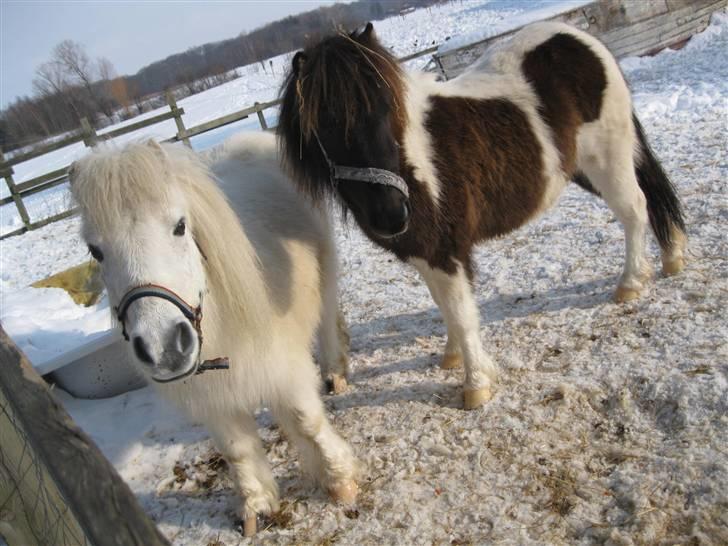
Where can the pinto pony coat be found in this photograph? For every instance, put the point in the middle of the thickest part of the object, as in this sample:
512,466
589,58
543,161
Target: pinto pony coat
481,154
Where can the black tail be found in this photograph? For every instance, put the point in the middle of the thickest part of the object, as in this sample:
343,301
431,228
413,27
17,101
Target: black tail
663,206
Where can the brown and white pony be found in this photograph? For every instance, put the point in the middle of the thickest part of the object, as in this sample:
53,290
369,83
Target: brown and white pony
475,157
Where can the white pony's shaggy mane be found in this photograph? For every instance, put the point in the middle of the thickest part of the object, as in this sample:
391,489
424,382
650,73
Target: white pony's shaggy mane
109,184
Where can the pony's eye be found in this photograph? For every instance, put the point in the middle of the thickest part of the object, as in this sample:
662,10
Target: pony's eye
96,253
180,228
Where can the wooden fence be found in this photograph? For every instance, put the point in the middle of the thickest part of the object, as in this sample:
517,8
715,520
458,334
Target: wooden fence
88,135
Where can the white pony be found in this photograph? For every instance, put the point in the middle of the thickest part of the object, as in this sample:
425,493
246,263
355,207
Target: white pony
179,262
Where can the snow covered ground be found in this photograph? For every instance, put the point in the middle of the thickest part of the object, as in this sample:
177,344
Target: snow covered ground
610,423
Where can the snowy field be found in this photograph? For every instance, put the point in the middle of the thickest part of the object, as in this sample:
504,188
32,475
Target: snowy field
610,422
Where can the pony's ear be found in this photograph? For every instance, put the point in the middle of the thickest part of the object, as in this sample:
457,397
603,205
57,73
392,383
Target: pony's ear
299,59
154,145
366,34
157,148
72,172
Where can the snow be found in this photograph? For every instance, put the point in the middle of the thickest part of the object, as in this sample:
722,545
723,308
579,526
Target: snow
538,11
609,423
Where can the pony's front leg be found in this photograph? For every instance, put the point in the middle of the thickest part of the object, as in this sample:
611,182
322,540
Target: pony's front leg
453,356
238,441
333,333
454,297
333,347
324,455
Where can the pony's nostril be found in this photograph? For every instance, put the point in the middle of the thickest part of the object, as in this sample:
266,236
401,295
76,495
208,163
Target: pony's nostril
141,350
184,338
405,211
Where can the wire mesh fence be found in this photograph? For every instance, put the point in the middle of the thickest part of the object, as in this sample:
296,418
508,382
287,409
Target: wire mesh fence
56,488
32,510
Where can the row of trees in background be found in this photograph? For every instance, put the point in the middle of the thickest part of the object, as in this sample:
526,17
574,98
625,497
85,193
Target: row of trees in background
68,87
71,85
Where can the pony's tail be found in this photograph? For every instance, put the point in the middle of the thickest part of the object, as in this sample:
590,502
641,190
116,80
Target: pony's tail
663,206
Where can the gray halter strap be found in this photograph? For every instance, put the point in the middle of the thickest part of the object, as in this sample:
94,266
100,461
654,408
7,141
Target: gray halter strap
371,175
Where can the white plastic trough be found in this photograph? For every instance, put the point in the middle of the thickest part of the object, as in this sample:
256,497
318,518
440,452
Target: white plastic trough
99,368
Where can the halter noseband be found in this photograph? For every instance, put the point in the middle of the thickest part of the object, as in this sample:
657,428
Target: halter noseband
371,175
193,314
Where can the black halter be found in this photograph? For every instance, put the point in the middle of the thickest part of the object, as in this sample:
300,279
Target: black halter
193,314
362,174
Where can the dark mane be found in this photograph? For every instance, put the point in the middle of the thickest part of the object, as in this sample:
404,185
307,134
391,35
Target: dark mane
342,77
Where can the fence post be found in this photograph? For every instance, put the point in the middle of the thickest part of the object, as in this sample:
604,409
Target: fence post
55,485
90,138
17,199
440,68
181,130
261,117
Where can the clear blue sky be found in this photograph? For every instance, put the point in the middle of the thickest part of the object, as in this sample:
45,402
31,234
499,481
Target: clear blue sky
131,34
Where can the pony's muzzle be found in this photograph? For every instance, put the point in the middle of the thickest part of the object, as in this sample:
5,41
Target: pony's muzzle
391,220
178,357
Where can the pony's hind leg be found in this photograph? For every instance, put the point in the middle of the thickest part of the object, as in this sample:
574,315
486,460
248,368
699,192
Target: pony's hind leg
238,441
663,204
324,455
454,297
673,254
615,180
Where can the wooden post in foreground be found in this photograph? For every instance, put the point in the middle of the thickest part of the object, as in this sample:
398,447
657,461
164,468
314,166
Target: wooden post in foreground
181,130
55,484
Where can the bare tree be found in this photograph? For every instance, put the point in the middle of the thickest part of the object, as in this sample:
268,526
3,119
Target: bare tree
52,81
72,56
106,69
104,91
50,78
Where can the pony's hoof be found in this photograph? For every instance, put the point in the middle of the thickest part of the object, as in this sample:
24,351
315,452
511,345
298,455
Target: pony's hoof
673,266
473,399
344,491
250,525
647,273
624,294
451,361
336,384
